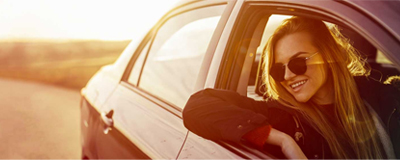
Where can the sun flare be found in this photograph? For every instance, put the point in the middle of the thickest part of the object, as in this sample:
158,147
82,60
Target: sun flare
104,20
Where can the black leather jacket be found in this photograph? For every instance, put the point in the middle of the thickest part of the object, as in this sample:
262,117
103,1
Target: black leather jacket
226,115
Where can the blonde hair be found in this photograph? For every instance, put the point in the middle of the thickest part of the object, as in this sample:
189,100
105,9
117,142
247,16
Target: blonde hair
357,134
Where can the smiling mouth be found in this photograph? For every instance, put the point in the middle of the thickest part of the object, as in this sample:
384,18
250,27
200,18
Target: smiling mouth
298,84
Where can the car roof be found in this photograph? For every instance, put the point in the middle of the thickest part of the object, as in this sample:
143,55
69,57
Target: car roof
386,12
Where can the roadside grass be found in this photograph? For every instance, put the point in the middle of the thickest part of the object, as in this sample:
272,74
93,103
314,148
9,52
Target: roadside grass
68,64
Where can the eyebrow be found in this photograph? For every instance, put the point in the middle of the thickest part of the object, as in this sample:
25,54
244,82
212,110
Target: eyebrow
297,54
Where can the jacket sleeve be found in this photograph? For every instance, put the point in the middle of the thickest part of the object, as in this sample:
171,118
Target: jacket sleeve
224,115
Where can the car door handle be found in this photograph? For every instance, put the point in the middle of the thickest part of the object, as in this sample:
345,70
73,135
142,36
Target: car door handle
108,121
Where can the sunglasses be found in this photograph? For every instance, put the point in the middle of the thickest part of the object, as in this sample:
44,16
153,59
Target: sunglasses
297,66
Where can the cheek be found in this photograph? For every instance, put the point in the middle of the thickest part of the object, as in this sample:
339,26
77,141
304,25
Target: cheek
318,73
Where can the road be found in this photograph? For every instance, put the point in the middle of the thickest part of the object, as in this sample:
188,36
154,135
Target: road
38,121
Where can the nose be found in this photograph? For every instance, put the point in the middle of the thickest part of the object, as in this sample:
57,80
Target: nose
288,73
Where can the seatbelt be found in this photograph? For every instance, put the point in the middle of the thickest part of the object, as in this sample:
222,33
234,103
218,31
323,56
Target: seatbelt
383,136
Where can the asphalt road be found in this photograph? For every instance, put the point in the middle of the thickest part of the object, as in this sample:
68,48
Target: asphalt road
38,121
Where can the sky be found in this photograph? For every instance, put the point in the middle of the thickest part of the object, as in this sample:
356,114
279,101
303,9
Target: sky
79,19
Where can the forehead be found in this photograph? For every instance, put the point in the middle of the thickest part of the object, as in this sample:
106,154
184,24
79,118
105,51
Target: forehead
291,44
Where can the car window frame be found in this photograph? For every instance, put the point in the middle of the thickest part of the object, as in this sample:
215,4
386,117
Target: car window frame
135,56
228,75
163,96
145,45
352,16
149,38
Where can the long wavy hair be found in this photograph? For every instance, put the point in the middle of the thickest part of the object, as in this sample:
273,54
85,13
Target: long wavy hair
357,134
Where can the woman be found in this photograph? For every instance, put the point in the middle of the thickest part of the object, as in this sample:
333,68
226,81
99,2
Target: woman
314,107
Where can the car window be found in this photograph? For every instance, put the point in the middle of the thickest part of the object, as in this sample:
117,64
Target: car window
273,22
175,57
380,58
381,67
134,76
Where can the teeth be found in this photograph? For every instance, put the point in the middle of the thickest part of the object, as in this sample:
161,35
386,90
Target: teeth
298,84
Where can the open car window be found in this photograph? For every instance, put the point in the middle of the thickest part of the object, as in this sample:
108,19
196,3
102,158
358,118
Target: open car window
381,67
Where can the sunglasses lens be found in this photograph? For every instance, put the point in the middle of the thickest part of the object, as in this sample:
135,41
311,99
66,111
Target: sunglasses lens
278,72
298,66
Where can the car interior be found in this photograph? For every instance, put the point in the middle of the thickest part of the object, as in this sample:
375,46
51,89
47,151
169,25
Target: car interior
382,69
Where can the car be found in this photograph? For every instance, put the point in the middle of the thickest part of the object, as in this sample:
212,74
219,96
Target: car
132,109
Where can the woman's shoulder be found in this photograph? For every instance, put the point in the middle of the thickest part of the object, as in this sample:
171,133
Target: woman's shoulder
368,86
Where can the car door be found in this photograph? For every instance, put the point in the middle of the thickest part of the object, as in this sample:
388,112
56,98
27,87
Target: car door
142,118
237,57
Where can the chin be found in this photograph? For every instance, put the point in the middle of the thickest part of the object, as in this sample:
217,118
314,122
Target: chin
301,98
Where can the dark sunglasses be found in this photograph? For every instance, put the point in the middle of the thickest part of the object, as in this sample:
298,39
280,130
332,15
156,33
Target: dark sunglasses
297,65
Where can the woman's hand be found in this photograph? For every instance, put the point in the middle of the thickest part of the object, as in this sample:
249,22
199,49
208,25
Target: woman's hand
289,147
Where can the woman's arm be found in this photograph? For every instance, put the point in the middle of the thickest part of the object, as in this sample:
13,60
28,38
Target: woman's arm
289,147
224,115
